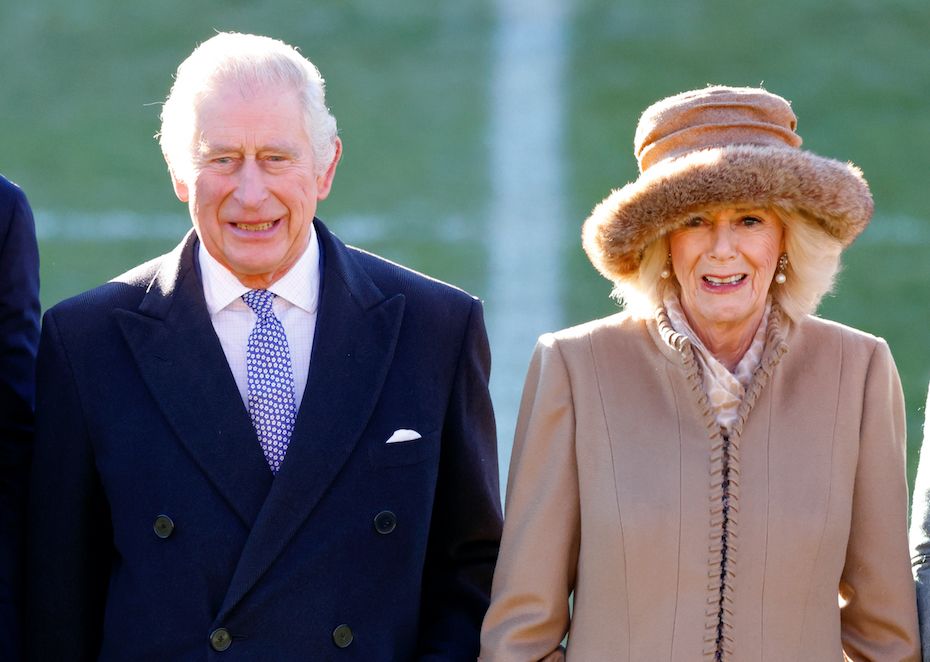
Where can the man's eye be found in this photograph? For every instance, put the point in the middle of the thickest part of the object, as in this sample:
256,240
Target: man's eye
752,220
222,160
693,222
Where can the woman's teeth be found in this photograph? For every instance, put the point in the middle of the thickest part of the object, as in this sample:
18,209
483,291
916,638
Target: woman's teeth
728,280
255,227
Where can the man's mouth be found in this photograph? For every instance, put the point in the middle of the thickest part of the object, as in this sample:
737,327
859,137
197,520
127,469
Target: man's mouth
255,227
718,281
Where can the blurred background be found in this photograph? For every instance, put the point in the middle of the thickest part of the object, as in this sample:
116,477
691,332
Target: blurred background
478,135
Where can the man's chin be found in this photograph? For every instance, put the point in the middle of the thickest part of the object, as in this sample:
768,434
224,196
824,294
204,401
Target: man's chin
259,275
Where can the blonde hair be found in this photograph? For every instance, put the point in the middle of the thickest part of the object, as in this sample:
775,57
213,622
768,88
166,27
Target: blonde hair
642,292
813,264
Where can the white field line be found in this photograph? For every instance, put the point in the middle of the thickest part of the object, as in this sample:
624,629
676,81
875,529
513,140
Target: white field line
116,226
108,226
897,229
527,228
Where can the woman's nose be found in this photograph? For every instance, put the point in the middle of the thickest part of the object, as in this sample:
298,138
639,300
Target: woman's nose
723,246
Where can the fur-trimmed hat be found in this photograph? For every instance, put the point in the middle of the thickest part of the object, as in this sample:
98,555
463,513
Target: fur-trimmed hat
720,146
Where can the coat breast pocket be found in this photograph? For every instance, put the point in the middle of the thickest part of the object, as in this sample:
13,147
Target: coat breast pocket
404,453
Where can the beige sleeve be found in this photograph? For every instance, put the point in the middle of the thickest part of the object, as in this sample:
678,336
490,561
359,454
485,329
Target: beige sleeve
529,612
879,620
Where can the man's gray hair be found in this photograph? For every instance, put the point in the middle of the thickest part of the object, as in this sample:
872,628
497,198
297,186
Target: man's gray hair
251,61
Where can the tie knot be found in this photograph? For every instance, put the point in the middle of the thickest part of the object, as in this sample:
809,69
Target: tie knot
259,301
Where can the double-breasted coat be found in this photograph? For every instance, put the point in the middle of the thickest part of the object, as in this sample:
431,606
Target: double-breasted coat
158,530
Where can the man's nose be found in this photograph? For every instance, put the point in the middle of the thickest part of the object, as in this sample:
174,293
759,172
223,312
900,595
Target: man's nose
251,189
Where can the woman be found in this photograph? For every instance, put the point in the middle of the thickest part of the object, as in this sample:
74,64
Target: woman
713,473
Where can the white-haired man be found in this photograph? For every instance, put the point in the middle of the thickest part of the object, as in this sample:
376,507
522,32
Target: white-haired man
264,445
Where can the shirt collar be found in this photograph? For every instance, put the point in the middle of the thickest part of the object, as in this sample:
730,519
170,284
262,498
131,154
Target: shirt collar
300,286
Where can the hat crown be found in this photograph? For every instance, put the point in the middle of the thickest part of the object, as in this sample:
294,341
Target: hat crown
713,117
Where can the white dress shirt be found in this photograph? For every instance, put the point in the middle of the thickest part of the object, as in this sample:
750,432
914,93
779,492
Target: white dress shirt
295,305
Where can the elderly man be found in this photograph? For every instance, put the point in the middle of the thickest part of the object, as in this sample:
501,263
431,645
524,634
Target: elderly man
19,336
264,445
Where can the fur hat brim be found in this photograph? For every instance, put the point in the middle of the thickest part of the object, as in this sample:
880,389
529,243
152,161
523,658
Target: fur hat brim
833,193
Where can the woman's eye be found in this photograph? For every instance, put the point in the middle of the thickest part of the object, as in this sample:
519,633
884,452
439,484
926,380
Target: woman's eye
752,220
693,222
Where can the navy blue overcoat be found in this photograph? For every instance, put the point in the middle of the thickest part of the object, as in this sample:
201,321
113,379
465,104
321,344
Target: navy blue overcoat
158,531
19,337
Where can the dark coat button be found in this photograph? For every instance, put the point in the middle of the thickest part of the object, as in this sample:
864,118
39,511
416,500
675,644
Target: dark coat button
385,522
164,527
220,639
342,636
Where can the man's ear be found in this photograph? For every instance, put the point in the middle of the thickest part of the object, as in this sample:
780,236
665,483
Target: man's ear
324,181
180,186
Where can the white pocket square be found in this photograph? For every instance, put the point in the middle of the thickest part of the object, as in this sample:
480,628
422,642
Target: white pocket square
403,435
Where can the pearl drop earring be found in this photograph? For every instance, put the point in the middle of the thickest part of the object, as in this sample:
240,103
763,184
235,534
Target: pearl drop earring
780,277
666,273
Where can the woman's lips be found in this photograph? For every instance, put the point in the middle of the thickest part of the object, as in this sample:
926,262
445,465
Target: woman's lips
723,283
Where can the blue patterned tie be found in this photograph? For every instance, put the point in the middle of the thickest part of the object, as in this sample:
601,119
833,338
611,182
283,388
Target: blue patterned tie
271,379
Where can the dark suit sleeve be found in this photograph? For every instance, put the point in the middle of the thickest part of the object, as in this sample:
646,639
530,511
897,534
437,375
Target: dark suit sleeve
70,536
466,526
19,335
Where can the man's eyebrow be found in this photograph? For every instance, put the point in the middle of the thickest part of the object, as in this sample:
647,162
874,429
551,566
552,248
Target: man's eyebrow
281,148
205,149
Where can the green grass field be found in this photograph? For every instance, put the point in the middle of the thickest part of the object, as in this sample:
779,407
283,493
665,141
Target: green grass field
409,83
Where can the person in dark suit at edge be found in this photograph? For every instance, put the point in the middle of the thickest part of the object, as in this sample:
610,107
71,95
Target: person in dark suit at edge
19,338
263,445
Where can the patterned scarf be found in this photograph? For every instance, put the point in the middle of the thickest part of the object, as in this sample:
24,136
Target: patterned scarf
724,390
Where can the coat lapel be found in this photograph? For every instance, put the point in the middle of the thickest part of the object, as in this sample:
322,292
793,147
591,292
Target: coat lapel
183,365
354,344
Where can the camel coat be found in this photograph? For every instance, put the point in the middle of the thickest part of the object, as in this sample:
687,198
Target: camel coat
616,494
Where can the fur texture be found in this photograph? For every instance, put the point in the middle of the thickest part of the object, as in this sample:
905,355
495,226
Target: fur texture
833,193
